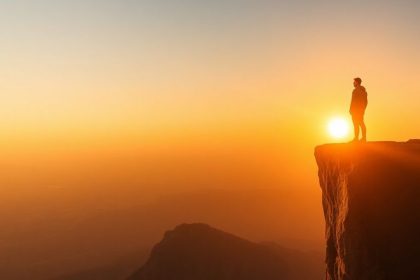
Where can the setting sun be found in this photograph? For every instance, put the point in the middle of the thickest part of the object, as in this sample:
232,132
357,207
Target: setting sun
338,128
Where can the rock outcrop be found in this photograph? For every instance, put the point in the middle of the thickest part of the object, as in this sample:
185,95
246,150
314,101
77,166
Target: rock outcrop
371,201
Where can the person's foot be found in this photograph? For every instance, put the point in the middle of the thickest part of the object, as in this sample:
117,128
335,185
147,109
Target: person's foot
354,140
363,139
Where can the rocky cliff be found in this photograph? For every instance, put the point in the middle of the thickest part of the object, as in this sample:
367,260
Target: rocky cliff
371,201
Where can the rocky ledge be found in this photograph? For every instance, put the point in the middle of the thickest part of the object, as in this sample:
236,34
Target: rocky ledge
371,201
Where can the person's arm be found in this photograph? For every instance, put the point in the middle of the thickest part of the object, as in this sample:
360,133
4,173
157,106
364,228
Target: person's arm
351,103
365,100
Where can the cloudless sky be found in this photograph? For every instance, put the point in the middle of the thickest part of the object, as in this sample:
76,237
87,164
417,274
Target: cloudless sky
262,76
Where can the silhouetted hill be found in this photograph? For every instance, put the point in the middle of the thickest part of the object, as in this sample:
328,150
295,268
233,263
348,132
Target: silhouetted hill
200,252
65,236
371,194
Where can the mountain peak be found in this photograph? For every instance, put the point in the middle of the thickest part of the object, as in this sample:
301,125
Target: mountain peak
198,251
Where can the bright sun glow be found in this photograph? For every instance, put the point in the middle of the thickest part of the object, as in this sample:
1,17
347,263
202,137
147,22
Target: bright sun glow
338,128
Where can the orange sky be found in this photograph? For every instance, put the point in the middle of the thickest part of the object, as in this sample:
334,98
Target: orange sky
80,83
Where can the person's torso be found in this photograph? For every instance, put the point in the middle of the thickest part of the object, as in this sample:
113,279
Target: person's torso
359,96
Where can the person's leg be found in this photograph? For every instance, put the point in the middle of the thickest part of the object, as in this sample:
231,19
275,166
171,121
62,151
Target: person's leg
363,126
356,128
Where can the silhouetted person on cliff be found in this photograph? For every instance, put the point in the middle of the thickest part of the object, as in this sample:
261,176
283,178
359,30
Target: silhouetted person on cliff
357,109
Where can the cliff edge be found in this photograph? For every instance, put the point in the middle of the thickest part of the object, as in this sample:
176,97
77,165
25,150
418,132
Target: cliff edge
371,201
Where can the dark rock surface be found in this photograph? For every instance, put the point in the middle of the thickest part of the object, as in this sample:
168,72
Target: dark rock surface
371,201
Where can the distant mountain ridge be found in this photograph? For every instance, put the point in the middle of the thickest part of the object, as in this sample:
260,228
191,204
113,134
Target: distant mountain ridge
85,235
200,252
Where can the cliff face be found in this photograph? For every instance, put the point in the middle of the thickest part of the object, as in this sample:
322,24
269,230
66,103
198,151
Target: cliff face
371,201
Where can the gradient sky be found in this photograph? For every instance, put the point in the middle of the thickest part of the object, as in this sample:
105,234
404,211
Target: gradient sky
120,119
97,80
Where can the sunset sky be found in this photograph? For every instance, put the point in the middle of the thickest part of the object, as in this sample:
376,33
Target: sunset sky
254,82
120,119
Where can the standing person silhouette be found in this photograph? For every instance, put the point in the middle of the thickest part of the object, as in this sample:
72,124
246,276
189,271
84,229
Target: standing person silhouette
357,109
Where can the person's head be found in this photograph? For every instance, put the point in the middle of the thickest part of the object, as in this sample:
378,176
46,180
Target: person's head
357,82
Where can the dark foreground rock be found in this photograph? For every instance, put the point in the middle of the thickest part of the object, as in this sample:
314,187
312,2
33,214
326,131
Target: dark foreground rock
371,201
